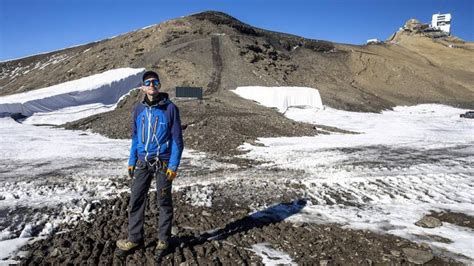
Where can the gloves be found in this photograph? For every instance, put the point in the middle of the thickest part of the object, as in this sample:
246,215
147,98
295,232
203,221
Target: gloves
131,170
170,174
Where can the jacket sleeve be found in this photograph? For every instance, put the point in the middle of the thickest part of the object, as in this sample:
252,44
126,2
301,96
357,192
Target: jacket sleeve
133,149
176,140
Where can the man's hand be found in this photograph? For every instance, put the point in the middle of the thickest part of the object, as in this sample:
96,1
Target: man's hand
131,171
170,174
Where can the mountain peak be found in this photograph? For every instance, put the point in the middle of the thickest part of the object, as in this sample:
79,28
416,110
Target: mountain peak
215,16
221,18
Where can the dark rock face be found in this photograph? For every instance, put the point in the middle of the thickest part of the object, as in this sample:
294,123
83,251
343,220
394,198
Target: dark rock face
219,18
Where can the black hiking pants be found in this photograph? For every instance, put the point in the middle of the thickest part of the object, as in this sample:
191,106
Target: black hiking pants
144,172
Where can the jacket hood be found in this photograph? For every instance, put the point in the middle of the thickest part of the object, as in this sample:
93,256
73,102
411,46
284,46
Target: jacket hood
161,100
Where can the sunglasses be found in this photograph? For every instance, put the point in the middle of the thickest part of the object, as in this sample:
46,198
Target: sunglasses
149,82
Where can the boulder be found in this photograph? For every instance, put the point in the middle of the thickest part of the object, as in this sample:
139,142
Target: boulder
417,256
429,222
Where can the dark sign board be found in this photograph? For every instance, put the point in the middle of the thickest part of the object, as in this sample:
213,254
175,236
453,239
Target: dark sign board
189,92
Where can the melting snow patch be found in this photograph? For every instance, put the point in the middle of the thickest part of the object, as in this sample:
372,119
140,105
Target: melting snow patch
5,234
272,256
48,229
201,160
200,196
27,231
9,247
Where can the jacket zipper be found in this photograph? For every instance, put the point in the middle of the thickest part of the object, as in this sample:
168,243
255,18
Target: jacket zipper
154,127
143,129
149,133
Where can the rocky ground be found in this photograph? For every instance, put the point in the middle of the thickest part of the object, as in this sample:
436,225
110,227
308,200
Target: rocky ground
459,219
223,232
217,125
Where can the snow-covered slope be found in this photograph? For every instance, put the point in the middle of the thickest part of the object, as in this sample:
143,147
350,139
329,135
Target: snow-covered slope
404,164
73,100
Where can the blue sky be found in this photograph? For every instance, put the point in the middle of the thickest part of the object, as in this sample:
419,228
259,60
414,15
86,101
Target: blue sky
34,26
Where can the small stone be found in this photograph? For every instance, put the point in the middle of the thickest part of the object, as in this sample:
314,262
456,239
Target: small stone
424,245
205,213
216,244
429,222
300,224
417,256
200,250
56,252
64,243
386,257
174,230
395,253
323,262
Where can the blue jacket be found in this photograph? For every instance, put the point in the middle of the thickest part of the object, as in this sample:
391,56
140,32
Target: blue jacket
156,131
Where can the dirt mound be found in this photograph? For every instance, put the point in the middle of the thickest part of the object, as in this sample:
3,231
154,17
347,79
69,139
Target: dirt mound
217,124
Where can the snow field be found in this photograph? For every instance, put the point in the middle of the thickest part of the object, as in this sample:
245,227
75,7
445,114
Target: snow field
402,165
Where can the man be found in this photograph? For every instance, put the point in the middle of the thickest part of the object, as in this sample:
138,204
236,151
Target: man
157,145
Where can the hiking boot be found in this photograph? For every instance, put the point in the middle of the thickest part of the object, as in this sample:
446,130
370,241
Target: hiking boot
161,250
126,247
